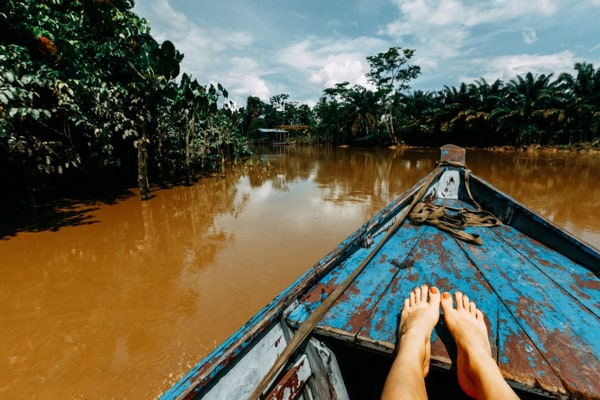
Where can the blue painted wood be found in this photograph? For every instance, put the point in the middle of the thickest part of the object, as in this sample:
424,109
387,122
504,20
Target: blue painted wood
313,297
518,358
581,283
564,332
368,313
351,311
436,260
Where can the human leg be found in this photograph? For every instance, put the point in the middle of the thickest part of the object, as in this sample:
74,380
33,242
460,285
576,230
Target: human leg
478,373
420,314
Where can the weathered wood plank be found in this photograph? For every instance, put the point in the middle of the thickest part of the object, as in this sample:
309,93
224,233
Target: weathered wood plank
292,382
518,358
245,375
313,297
564,332
354,307
580,283
310,300
437,260
520,361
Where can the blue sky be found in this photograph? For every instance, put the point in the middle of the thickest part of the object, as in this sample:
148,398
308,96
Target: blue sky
300,47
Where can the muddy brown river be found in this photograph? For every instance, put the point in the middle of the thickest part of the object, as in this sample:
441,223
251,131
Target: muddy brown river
119,300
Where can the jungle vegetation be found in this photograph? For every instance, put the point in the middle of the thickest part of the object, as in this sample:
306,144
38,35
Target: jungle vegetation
88,98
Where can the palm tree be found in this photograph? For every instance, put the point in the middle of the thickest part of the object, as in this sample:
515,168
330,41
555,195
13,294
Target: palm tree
416,122
486,99
582,112
531,105
362,105
358,109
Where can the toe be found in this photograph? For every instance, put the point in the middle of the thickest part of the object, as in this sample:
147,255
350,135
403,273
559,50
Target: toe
424,292
446,301
459,299
434,295
413,297
466,302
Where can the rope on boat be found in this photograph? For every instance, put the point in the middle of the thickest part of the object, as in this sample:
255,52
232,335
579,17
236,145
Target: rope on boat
454,220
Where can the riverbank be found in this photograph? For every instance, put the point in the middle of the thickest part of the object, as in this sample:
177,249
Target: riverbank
593,147
587,147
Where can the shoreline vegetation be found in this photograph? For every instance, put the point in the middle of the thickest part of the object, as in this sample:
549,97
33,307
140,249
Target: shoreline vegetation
89,99
575,148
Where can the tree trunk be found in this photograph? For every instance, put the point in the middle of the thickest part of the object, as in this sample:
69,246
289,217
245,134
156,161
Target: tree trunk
390,130
222,164
143,184
189,152
188,167
160,159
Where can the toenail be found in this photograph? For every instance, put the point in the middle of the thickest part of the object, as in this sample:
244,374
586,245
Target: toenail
434,290
446,295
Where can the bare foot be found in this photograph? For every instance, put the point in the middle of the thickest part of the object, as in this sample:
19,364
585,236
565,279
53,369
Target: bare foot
421,312
478,373
419,316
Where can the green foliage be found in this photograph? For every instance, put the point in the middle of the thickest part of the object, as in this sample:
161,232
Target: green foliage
530,109
357,109
86,93
391,75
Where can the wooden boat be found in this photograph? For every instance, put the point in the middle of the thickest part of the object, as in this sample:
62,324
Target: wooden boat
332,333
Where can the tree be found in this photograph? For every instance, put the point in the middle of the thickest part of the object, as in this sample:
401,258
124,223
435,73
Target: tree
331,121
279,104
76,51
157,66
390,75
359,107
85,90
530,107
582,110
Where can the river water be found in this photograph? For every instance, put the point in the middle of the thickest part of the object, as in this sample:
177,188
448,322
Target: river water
119,300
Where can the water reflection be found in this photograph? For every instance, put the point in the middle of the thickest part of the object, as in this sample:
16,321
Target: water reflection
560,186
124,306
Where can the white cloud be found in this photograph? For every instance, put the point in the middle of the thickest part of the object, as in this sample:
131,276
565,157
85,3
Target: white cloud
244,78
207,50
508,67
462,40
339,69
443,29
325,62
428,13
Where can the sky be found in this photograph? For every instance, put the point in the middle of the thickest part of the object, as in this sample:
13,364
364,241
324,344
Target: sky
301,47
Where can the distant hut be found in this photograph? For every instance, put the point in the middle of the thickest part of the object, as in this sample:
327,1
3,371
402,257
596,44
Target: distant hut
276,137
